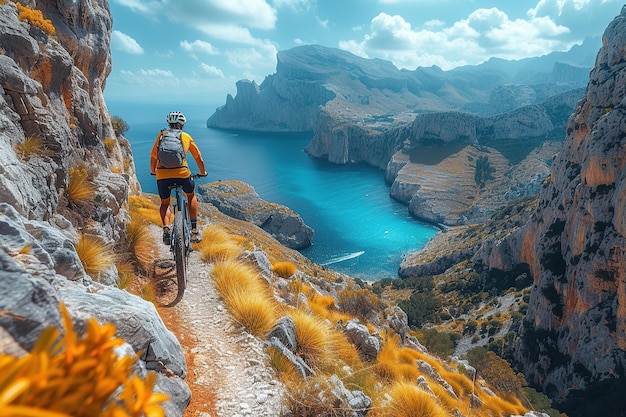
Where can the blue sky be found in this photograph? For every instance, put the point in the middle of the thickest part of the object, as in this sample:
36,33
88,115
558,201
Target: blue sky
194,51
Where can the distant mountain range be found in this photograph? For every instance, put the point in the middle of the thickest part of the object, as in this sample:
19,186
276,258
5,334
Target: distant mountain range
375,92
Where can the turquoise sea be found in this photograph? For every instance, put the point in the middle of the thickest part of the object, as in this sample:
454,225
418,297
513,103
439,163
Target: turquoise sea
359,229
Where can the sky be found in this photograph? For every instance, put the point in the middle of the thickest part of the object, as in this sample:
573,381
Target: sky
194,51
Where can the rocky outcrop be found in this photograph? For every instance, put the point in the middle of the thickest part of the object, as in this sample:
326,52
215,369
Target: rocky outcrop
446,176
239,200
574,335
343,142
55,133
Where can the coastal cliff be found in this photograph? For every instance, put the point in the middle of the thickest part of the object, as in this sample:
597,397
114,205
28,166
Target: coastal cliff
574,335
454,168
65,176
570,242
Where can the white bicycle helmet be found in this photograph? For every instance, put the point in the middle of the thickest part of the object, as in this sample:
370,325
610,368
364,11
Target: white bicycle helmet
176,117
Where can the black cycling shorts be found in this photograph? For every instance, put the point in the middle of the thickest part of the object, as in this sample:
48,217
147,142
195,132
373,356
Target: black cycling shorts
165,184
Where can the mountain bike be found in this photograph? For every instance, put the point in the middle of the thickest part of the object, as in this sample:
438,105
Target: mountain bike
170,276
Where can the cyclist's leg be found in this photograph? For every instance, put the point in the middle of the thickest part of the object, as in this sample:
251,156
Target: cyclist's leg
189,189
164,209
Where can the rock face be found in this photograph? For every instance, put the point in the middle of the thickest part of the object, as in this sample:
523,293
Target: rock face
374,92
239,200
432,162
574,335
54,129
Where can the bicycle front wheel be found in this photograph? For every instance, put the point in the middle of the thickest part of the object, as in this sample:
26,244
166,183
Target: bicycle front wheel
180,254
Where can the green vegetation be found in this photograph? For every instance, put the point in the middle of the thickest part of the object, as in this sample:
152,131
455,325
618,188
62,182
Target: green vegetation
483,171
119,125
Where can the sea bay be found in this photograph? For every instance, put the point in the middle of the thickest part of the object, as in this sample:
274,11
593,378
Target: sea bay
359,229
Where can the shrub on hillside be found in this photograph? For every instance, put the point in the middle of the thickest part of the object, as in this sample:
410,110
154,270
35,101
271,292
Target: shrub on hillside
360,303
495,370
95,255
119,125
420,308
35,18
76,377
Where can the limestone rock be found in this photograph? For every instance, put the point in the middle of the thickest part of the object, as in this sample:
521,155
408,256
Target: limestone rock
51,97
574,335
239,200
367,345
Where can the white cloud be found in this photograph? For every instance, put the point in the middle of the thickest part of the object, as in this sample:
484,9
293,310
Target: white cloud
125,43
198,46
296,5
261,58
201,13
211,70
149,77
139,6
483,34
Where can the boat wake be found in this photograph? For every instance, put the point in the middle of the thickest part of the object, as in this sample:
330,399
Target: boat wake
342,258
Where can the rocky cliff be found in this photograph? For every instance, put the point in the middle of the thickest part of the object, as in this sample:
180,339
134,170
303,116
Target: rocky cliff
375,93
574,335
450,167
63,173
456,168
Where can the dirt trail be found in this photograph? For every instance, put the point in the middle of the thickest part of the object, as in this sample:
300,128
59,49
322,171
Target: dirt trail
228,371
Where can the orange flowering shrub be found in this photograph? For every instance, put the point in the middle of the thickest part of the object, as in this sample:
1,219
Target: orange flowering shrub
76,377
35,18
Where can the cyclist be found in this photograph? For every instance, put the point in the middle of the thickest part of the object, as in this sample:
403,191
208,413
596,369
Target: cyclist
170,174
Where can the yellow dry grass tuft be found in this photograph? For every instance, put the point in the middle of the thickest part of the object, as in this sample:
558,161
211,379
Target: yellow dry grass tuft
68,375
409,401
80,190
32,146
310,398
218,245
140,242
95,255
231,276
147,291
311,337
255,312
284,269
109,144
125,275
502,407
144,208
245,295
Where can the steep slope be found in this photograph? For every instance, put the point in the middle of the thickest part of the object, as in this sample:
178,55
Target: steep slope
574,336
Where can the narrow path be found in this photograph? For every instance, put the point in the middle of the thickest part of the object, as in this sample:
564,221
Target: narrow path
228,371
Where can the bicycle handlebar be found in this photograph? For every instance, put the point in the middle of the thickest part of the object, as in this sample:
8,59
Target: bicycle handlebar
192,175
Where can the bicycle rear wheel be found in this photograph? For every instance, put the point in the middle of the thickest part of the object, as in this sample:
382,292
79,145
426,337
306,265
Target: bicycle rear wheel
180,254
164,283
